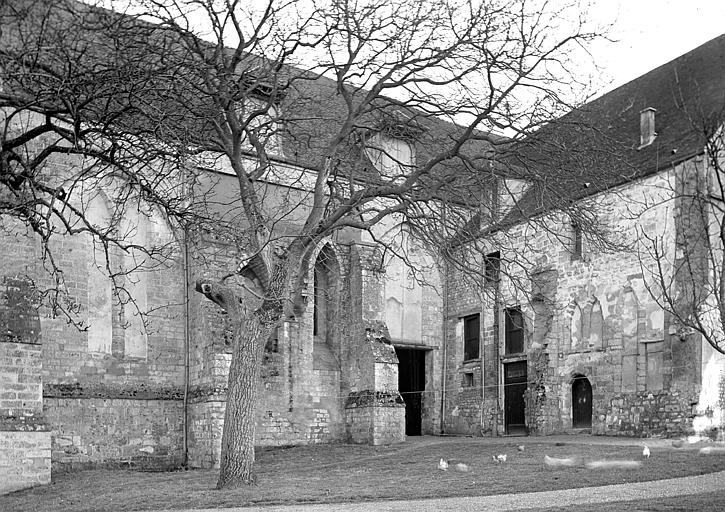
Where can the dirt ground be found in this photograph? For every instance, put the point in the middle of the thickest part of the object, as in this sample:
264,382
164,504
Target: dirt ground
344,473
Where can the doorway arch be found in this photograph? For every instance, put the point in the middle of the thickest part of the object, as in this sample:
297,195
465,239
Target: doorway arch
581,402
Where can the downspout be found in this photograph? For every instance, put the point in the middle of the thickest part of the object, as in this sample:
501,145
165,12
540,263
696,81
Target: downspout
445,344
483,373
187,329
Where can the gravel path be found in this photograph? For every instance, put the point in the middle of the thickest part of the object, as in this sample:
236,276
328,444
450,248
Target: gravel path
562,498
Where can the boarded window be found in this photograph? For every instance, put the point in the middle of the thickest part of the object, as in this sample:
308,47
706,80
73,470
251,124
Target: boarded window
654,366
575,327
596,323
471,337
514,331
593,322
542,320
629,373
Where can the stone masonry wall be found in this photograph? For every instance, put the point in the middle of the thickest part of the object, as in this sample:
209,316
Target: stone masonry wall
24,433
99,431
105,401
601,324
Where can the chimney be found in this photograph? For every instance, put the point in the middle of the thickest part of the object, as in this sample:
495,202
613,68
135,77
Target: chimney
647,132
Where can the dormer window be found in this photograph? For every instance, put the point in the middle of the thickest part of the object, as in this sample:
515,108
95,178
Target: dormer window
647,132
391,156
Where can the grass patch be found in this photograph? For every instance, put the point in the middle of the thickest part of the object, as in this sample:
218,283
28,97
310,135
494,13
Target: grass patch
343,473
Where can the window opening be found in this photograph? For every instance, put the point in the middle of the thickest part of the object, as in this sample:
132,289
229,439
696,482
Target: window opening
514,331
471,337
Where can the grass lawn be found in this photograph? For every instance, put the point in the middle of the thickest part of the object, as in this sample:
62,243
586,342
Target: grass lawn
341,473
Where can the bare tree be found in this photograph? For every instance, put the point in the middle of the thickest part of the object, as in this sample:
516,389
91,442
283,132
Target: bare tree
688,279
341,114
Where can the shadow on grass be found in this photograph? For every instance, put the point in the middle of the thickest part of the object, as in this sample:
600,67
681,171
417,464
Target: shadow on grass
343,473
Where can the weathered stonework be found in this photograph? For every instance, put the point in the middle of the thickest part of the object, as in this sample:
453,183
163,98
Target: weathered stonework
595,320
24,431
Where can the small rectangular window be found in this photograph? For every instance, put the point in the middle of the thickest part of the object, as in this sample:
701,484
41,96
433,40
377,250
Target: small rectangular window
471,337
467,380
514,331
492,269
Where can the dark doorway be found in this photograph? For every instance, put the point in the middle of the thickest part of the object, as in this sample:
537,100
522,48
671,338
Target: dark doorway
411,384
581,403
514,397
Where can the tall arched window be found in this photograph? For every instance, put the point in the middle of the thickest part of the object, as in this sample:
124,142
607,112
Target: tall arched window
575,326
100,287
596,324
326,286
135,267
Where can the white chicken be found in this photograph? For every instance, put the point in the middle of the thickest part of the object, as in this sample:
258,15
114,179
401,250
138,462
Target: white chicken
501,457
443,464
645,452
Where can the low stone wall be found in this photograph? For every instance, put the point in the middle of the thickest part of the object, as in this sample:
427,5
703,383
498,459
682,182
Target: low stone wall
24,435
665,413
91,432
24,459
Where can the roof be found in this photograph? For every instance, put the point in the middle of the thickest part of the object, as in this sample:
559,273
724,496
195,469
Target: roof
597,146
173,104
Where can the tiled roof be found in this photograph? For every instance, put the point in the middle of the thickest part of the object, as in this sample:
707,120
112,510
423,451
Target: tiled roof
597,146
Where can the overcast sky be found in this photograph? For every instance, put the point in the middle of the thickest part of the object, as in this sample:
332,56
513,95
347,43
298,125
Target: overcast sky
652,32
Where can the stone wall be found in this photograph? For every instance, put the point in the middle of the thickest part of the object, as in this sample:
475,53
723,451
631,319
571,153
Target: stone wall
92,432
24,459
24,433
595,319
112,392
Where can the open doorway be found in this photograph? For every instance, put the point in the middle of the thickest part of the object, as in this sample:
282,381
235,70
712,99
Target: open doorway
411,385
581,402
515,383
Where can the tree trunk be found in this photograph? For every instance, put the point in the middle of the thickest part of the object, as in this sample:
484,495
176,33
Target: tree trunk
237,455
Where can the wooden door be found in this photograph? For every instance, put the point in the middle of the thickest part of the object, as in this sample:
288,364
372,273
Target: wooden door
411,384
581,403
515,375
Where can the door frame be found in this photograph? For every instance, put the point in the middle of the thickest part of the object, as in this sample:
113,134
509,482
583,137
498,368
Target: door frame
420,352
520,381
587,389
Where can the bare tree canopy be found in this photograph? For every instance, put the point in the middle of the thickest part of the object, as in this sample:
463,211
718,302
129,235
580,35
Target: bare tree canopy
329,116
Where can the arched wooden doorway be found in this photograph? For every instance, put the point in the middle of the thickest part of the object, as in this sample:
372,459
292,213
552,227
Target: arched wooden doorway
581,402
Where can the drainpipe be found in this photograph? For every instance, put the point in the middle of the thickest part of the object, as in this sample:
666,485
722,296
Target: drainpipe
483,373
187,310
445,344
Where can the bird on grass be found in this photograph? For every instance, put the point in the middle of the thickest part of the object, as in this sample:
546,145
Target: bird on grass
443,464
501,457
521,447
645,451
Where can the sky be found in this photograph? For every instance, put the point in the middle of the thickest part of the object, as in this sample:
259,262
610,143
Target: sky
650,33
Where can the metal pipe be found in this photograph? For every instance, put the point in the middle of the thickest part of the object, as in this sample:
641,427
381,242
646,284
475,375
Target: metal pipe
445,344
187,311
